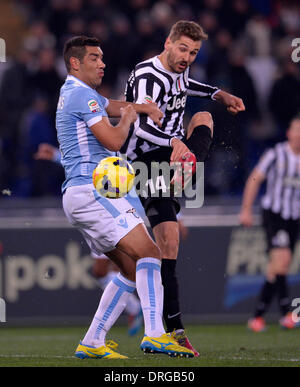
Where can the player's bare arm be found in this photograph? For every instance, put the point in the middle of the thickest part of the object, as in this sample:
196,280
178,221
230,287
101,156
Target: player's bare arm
113,137
234,104
253,183
151,109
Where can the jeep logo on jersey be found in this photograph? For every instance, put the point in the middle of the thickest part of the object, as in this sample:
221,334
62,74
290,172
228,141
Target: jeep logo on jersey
176,103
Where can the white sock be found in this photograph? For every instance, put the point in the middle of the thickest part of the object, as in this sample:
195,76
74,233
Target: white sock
112,304
150,291
133,305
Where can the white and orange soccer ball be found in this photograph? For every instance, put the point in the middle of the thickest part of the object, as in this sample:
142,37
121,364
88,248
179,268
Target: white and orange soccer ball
113,177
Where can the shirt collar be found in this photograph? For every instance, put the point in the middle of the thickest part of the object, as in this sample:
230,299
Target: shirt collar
160,66
77,81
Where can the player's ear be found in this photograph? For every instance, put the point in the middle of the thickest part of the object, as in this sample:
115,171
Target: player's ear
74,63
167,43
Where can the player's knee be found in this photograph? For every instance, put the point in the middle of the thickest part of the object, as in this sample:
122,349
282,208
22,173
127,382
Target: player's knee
169,243
172,249
202,118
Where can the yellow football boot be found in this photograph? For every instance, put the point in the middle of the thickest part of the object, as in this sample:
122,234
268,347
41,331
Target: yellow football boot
165,344
103,352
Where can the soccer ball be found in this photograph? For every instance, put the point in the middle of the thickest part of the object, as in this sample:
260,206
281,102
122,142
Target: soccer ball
113,177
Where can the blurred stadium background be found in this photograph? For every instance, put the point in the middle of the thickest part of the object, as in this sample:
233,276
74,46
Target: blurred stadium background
45,267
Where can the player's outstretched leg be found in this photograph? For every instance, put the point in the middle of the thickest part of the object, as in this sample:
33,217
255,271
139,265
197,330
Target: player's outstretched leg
199,134
186,167
198,139
104,270
112,304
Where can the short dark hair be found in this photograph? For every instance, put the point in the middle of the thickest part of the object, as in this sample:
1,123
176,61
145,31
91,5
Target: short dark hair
76,47
187,28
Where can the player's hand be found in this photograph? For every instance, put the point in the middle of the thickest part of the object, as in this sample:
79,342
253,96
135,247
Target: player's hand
246,218
234,104
129,113
154,113
45,152
179,149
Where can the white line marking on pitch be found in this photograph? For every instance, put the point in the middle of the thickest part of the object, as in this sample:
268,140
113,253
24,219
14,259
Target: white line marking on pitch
73,357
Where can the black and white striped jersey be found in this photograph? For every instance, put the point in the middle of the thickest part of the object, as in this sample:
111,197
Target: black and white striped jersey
151,82
282,170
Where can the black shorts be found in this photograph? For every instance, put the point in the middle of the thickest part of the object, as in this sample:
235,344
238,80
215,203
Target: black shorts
159,211
280,233
158,189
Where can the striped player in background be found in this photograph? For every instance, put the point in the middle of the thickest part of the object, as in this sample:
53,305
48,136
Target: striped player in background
280,167
164,79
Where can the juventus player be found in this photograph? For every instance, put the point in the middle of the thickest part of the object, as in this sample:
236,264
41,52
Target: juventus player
164,79
280,166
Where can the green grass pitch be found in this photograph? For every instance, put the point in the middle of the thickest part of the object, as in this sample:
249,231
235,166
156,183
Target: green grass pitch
219,345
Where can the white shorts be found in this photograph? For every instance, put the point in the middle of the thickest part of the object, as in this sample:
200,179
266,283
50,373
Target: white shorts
102,256
103,222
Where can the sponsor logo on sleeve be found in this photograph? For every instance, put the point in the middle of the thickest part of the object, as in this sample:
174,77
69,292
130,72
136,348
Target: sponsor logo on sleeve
94,106
148,99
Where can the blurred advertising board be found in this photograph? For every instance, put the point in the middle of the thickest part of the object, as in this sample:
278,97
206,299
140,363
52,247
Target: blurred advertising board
46,273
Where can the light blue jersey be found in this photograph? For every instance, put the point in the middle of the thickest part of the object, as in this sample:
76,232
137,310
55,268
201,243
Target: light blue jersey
79,107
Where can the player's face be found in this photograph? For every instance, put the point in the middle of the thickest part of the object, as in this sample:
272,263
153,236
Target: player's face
181,53
92,68
293,135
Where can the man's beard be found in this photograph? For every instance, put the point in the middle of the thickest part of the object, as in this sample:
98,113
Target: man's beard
172,65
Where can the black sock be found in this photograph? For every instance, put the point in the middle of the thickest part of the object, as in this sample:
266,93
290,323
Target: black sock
283,296
200,142
172,314
266,295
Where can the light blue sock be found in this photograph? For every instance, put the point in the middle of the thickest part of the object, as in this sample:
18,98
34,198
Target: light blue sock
150,291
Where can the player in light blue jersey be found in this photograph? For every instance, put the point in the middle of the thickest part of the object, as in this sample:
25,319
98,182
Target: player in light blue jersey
79,108
109,226
104,270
